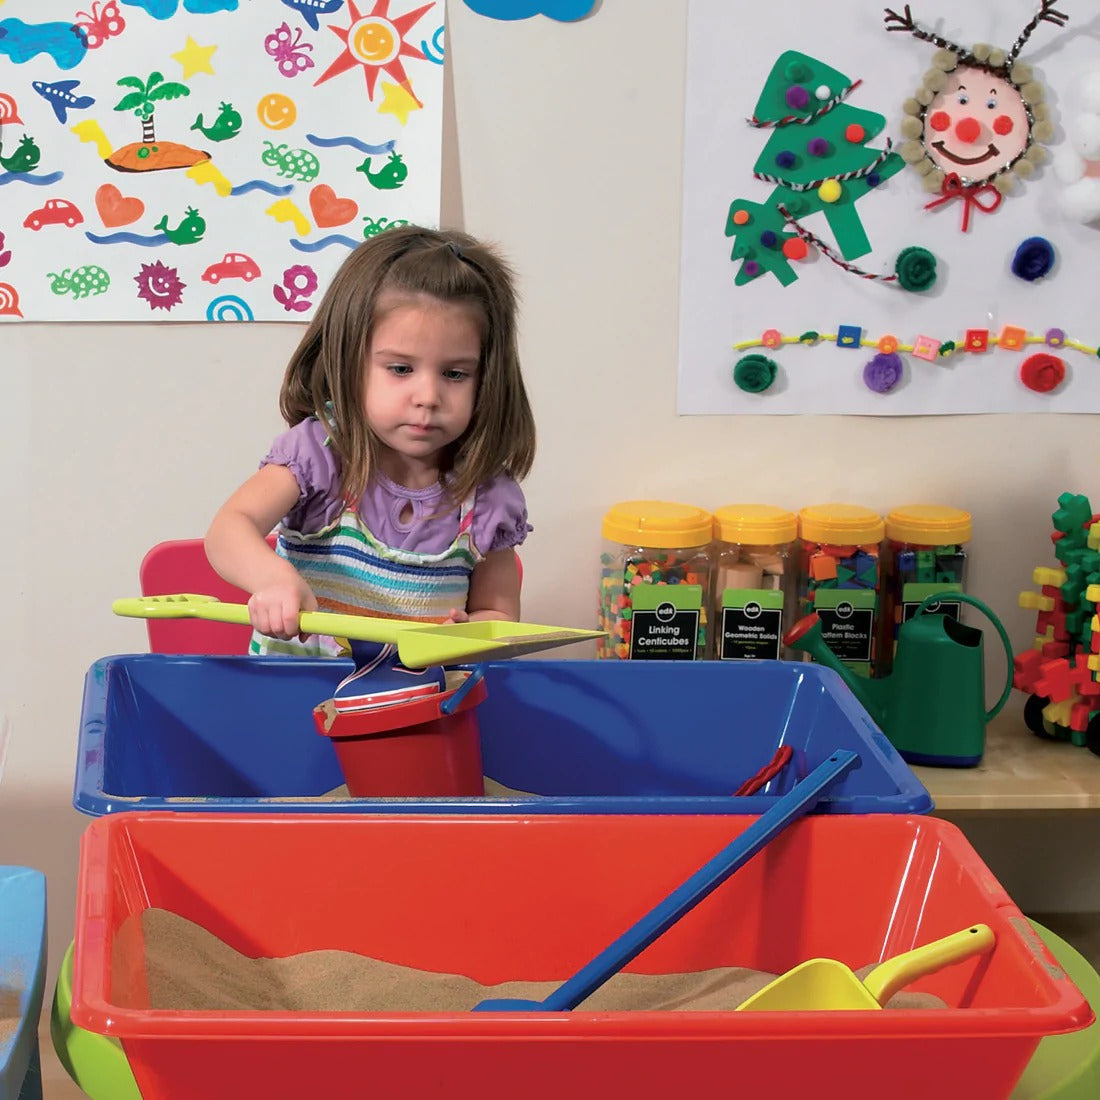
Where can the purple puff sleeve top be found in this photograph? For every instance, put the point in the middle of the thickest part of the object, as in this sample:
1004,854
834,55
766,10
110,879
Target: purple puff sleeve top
500,510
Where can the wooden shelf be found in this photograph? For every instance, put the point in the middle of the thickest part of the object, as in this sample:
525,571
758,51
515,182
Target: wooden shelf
1019,771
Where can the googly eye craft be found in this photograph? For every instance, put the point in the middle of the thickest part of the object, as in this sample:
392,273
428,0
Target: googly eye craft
979,120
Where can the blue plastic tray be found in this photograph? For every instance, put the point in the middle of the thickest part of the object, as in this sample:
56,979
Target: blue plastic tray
236,733
22,976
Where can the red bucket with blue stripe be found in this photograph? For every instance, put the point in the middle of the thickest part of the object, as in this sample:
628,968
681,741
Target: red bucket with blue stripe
419,747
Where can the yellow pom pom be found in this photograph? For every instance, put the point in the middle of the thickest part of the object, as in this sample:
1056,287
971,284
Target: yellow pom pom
829,191
936,79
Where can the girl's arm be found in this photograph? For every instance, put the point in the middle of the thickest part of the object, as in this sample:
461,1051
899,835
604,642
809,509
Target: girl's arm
494,589
236,545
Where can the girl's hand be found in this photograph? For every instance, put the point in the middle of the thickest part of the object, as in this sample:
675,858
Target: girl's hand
457,615
274,610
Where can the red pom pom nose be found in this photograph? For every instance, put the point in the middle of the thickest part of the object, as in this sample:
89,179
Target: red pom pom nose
967,129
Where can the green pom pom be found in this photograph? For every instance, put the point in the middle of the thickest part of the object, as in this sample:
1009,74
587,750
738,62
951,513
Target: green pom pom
946,348
809,337
754,373
915,268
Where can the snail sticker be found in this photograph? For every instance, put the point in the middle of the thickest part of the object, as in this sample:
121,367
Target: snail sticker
978,119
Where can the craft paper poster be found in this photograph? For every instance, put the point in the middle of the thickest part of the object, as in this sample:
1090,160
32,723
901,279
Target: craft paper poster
929,257
195,160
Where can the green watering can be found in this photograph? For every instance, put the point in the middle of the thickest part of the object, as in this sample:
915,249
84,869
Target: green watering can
932,706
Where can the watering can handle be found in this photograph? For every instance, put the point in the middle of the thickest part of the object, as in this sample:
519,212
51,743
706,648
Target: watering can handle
937,597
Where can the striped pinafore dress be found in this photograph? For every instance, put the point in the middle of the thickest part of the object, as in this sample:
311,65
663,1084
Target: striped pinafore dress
351,572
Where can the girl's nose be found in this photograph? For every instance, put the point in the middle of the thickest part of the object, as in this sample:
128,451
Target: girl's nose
427,392
967,129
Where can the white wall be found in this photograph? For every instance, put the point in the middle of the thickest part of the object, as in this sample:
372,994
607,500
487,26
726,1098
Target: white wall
114,437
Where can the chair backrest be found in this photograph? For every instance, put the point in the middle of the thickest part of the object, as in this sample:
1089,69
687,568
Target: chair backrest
180,565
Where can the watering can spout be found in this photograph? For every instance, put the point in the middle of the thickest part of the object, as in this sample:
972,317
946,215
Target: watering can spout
807,636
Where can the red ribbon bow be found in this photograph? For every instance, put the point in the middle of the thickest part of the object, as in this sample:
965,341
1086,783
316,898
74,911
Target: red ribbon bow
970,193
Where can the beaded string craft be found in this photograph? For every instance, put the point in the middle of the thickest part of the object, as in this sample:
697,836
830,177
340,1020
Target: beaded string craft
1041,372
977,120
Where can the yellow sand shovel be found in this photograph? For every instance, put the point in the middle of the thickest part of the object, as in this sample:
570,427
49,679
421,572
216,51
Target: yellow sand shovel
418,644
828,984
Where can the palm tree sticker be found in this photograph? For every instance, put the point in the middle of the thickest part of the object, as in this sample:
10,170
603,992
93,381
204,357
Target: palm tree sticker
150,155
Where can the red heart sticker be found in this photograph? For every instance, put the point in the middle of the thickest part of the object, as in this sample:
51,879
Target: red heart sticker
329,209
115,208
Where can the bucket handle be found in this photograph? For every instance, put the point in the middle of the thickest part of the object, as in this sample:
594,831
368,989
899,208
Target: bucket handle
937,597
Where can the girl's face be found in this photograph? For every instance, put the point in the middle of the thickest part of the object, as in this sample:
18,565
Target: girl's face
976,126
420,383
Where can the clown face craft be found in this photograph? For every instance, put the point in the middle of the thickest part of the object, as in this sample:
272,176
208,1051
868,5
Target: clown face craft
978,126
978,119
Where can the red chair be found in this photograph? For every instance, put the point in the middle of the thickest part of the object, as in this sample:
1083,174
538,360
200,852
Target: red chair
180,565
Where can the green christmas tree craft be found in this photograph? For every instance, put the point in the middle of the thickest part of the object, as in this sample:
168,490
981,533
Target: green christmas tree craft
819,161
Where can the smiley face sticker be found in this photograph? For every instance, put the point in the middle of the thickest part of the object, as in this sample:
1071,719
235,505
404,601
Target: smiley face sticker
276,111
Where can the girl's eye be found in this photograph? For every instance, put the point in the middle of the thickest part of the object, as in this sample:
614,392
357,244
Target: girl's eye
400,368
991,103
963,99
456,375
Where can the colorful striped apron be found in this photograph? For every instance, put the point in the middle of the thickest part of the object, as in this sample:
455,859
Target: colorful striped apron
352,573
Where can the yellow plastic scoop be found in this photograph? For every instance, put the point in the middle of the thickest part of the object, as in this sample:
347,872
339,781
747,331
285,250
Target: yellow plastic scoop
827,984
418,644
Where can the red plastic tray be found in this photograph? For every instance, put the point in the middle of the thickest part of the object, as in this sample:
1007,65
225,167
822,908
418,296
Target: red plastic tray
498,897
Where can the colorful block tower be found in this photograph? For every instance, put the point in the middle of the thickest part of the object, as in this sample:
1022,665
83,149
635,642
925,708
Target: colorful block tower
1060,671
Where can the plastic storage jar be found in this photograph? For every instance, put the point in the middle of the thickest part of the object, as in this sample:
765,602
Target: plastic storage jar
924,553
839,578
656,573
755,580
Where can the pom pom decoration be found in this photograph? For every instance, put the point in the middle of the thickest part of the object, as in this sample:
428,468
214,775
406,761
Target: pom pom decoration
1042,372
883,372
915,268
1077,161
754,373
1033,260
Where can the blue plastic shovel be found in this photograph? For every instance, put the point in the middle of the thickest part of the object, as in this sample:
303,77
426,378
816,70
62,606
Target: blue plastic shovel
790,807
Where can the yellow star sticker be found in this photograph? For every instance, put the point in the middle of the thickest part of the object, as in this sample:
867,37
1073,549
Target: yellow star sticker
398,100
195,58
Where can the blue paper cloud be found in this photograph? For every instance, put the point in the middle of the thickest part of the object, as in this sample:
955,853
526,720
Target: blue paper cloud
566,11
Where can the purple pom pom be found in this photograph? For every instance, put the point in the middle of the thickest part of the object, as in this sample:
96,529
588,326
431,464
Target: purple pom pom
883,372
797,97
817,147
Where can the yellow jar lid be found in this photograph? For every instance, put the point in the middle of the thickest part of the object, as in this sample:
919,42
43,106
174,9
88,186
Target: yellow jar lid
657,523
931,524
754,524
844,524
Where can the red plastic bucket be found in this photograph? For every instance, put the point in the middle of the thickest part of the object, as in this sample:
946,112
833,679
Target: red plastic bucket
409,750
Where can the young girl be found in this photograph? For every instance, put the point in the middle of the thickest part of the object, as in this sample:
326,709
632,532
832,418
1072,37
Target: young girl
395,487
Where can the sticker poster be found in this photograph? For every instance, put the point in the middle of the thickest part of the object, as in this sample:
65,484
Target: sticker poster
890,210
208,160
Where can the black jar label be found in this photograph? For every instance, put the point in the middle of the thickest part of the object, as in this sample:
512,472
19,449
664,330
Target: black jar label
665,622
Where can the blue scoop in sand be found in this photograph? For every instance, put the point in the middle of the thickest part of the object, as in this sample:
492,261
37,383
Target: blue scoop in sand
791,806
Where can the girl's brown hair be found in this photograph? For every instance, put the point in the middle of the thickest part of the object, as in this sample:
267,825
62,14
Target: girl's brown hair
324,377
